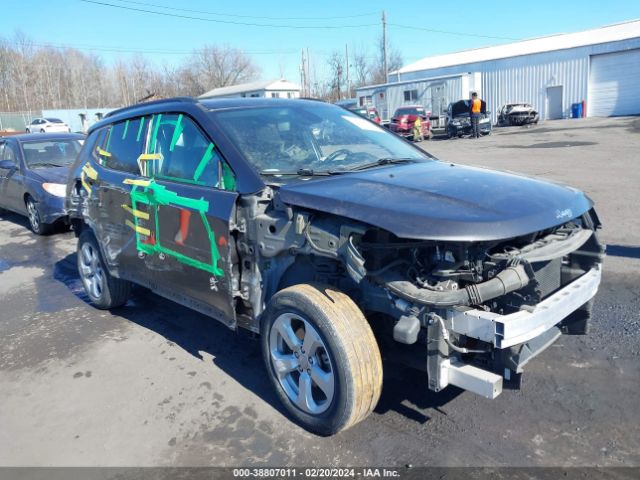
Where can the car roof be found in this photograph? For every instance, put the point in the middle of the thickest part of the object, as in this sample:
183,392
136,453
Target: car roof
186,103
24,137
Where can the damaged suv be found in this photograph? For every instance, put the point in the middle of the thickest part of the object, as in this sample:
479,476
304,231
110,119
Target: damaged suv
334,248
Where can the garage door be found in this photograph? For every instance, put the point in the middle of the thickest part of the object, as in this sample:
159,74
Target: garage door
614,84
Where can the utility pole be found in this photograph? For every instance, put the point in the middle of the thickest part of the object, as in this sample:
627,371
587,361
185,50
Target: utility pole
303,80
384,45
307,74
346,53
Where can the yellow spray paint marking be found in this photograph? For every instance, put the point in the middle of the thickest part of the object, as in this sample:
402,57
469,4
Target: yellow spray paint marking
136,213
149,170
90,171
83,177
102,152
151,156
138,228
140,183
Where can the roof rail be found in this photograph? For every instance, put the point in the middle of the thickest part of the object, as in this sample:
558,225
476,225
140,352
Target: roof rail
154,102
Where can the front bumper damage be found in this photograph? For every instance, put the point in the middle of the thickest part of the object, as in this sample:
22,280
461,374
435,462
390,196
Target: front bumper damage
516,337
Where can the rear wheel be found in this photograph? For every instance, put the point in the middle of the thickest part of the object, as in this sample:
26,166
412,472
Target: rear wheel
35,219
104,290
322,357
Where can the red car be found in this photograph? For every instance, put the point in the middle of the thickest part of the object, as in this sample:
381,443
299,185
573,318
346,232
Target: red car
367,112
404,118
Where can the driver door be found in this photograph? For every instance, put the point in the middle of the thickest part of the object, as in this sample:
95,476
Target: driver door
11,180
185,200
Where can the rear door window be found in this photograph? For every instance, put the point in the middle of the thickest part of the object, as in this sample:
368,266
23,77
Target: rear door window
122,146
178,150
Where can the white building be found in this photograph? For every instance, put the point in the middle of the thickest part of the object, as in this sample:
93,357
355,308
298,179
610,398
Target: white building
266,89
599,66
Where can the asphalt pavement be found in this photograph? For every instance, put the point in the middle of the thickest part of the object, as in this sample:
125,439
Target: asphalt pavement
155,384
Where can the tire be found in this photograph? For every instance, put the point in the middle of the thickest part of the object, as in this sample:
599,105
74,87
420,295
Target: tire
341,350
42,130
104,290
35,219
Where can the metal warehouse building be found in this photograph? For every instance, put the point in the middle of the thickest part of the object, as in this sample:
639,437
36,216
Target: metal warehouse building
600,66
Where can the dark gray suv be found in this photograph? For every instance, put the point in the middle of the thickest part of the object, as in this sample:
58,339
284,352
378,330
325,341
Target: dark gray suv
334,240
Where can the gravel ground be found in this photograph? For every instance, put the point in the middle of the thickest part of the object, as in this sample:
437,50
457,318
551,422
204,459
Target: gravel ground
156,384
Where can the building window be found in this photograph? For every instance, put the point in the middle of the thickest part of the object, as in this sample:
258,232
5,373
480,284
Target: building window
274,95
366,100
410,95
254,95
289,94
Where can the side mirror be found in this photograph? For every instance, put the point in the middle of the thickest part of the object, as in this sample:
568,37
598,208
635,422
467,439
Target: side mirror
7,164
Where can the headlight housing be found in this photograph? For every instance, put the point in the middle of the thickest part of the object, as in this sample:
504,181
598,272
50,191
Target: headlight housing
55,189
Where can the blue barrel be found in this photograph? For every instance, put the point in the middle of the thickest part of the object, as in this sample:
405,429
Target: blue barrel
576,110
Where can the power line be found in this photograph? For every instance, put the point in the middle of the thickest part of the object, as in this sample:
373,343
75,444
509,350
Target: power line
245,16
462,34
106,48
230,22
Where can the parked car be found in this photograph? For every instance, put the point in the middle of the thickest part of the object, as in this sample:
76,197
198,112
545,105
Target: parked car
459,120
367,112
47,125
404,117
237,209
33,176
517,114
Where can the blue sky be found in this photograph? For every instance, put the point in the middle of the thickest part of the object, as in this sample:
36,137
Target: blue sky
276,49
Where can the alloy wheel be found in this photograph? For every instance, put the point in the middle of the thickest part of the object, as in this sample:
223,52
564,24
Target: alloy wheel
91,270
301,362
34,215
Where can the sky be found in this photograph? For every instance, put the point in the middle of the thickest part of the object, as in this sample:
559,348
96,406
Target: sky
274,33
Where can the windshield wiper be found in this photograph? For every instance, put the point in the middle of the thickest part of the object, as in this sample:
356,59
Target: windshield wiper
301,172
381,161
45,164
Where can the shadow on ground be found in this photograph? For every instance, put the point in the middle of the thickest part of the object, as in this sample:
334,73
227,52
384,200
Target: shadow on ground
239,355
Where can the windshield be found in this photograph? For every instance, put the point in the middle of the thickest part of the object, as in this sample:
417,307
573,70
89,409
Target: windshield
51,153
54,120
312,137
409,111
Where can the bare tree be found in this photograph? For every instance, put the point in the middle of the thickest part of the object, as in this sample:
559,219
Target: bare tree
394,62
337,71
217,66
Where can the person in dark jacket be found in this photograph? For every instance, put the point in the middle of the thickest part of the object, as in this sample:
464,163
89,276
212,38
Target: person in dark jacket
477,108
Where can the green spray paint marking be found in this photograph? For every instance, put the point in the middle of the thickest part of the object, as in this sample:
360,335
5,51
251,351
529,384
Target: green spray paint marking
155,195
155,133
228,178
126,128
140,129
176,133
203,162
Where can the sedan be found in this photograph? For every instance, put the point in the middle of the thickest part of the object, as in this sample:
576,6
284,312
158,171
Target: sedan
33,173
47,125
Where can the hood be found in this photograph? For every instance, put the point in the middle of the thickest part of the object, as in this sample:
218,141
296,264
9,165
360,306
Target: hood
440,201
460,107
51,174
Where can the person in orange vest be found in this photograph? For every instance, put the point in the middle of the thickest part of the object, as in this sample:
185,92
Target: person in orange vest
476,108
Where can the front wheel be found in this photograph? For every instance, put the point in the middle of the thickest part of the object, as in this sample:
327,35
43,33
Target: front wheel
35,219
322,357
104,290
